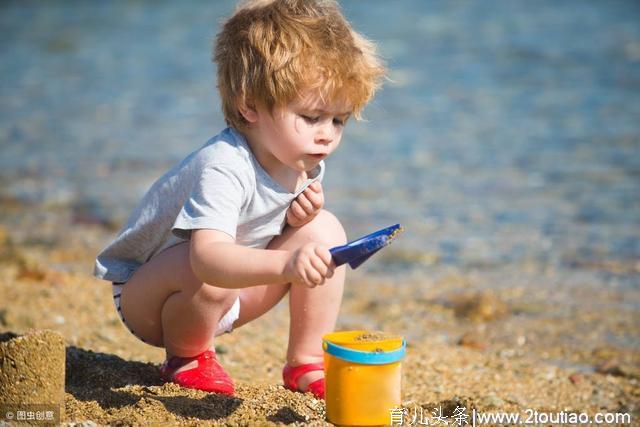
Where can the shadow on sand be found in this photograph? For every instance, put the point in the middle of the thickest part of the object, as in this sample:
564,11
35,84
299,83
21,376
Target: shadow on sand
92,376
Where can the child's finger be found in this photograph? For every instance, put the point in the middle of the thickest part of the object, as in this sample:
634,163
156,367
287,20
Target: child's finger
324,255
304,202
316,199
293,220
319,265
315,186
330,271
313,278
297,210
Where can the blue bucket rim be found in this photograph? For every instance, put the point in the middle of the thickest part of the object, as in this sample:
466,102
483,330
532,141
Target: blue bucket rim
365,357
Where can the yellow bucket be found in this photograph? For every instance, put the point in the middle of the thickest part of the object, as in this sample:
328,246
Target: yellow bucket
362,376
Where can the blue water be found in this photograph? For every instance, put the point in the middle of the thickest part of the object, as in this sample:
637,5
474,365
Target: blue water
509,133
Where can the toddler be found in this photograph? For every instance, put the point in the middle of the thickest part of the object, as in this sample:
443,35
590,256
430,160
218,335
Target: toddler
220,238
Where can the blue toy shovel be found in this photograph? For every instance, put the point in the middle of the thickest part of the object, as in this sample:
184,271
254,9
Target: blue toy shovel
358,251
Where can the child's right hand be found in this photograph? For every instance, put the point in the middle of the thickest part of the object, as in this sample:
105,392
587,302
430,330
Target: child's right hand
310,265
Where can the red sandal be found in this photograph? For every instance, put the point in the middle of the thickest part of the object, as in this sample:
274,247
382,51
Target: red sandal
209,375
290,375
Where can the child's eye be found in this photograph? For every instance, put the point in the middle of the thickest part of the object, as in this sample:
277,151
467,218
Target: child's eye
338,122
310,119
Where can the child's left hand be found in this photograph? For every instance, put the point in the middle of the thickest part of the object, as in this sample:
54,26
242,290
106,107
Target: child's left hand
306,206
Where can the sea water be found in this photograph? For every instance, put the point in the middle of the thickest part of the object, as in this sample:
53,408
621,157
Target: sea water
508,133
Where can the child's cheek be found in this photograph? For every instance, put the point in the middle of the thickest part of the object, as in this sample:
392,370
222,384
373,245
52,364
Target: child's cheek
299,125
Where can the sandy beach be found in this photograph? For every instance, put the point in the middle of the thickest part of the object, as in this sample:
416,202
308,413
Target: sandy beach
506,142
489,351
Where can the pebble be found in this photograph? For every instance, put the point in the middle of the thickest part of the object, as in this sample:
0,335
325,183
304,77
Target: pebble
516,400
629,371
491,401
608,367
550,374
507,353
222,349
576,378
449,406
105,336
472,340
526,307
480,307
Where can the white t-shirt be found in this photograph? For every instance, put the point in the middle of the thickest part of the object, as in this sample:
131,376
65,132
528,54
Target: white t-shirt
221,186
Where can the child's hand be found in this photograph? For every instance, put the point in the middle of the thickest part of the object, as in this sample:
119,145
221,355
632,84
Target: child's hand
306,206
310,266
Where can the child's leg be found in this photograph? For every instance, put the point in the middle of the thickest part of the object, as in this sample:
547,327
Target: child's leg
313,311
167,306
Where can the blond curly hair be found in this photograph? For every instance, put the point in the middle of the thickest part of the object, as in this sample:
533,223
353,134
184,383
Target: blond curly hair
270,51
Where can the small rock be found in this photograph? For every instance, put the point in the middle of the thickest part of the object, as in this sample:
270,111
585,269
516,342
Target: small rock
491,401
472,340
576,378
516,400
629,371
222,349
30,270
480,307
150,390
600,399
608,367
450,406
82,424
526,307
550,373
105,336
507,353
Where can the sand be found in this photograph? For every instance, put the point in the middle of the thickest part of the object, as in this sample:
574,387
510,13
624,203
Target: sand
467,348
32,373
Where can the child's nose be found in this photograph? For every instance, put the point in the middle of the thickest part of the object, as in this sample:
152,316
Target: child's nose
325,134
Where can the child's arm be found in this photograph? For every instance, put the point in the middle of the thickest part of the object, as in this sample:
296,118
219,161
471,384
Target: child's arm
216,259
306,206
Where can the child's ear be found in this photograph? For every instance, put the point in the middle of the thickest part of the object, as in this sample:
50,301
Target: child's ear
248,111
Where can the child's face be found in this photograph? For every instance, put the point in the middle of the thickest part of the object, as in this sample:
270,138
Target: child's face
303,132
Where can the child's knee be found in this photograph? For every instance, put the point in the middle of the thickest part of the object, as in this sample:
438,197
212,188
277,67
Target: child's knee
325,228
215,296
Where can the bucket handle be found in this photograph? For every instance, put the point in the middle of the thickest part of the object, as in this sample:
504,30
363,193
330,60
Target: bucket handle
365,357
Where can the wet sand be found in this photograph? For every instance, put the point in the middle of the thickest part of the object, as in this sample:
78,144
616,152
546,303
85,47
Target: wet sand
508,349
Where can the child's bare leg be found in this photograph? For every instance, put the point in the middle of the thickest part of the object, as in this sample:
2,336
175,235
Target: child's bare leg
167,306
313,311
